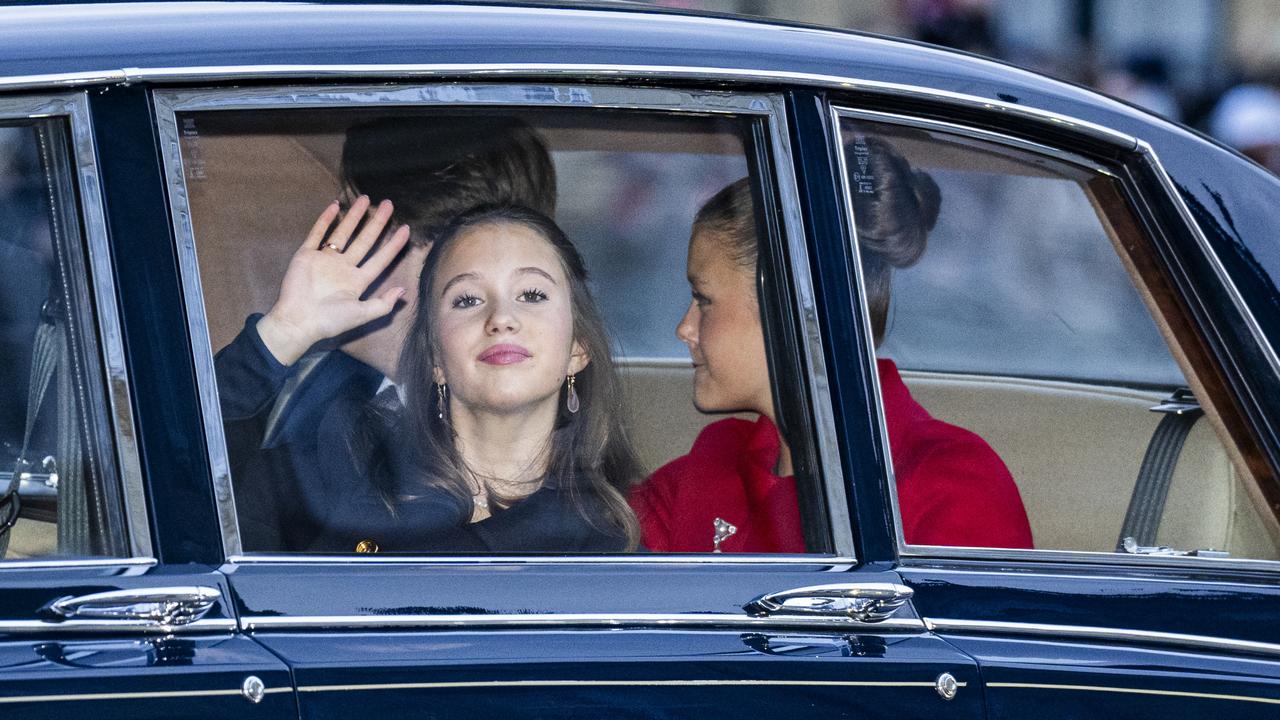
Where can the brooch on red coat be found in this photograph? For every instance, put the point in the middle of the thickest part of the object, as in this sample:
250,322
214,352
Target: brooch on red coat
723,530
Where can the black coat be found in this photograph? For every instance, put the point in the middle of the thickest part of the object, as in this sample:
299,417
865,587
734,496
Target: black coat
273,467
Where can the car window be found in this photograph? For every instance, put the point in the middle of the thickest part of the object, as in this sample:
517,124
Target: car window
59,492
509,357
1030,398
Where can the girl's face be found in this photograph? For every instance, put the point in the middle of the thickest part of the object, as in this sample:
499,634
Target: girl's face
723,332
502,313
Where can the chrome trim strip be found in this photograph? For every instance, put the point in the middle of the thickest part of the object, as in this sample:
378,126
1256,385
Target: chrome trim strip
520,95
832,563
917,553
567,71
110,343
63,80
170,102
1219,270
864,314
1081,632
131,564
622,683
653,621
1134,691
114,627
1090,573
109,328
826,437
154,695
202,350
970,132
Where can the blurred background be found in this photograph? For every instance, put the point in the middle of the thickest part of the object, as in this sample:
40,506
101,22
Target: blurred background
1212,64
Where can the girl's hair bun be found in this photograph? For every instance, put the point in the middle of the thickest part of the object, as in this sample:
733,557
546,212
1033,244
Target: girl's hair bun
894,205
928,197
894,208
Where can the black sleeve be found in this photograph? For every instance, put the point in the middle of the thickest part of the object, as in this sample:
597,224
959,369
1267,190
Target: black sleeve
249,376
249,380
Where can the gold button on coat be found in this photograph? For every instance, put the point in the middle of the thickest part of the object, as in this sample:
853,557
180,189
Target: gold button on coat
366,546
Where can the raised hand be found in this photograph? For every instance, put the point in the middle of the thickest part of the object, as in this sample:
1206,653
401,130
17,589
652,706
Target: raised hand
320,294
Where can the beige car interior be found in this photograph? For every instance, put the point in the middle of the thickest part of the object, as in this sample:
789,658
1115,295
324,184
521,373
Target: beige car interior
1074,450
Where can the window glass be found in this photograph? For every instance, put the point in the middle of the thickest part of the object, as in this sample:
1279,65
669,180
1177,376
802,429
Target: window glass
1019,364
58,492
511,372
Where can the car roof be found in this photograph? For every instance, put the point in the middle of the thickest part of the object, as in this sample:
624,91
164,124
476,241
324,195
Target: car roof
93,38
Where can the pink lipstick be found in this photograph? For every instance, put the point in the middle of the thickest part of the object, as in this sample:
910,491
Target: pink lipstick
504,354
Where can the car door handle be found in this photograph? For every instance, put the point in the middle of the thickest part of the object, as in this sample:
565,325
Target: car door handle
865,602
161,606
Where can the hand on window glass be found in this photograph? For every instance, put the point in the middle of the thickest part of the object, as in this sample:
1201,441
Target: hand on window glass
321,294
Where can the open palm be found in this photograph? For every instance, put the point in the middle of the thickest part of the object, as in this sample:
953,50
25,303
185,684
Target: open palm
321,294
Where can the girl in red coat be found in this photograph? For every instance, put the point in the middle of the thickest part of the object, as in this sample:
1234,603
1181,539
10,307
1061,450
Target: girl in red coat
734,491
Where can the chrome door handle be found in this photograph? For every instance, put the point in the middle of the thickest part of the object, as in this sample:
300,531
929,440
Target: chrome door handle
865,602
161,606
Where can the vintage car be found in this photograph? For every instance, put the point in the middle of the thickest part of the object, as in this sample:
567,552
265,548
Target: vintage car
1097,302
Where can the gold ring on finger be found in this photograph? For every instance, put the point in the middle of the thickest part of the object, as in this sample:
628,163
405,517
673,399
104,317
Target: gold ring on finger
331,246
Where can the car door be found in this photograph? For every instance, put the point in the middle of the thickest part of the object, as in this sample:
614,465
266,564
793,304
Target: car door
95,616
1138,448
560,633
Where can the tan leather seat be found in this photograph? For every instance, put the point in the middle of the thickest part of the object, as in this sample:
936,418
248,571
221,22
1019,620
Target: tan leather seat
1075,451
662,419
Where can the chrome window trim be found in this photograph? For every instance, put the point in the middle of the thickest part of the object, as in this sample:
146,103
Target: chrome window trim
770,107
908,552
130,565
827,562
215,73
109,342
912,553
659,621
1084,632
1091,574
114,627
826,440
991,136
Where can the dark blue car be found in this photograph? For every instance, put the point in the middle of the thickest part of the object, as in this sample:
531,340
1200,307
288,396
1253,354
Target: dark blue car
193,525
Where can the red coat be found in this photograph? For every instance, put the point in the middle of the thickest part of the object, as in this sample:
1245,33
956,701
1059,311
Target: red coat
952,487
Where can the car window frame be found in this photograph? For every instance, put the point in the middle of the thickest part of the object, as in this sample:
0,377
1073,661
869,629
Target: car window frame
767,107
1134,150
101,327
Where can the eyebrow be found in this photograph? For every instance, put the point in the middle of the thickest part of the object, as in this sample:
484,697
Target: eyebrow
457,279
475,276
537,271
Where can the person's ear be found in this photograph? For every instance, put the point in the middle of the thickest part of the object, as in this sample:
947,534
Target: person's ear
438,376
578,359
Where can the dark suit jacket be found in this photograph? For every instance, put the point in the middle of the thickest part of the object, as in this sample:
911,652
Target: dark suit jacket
272,475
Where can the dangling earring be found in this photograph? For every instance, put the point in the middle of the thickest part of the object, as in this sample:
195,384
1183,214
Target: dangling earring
442,399
571,397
